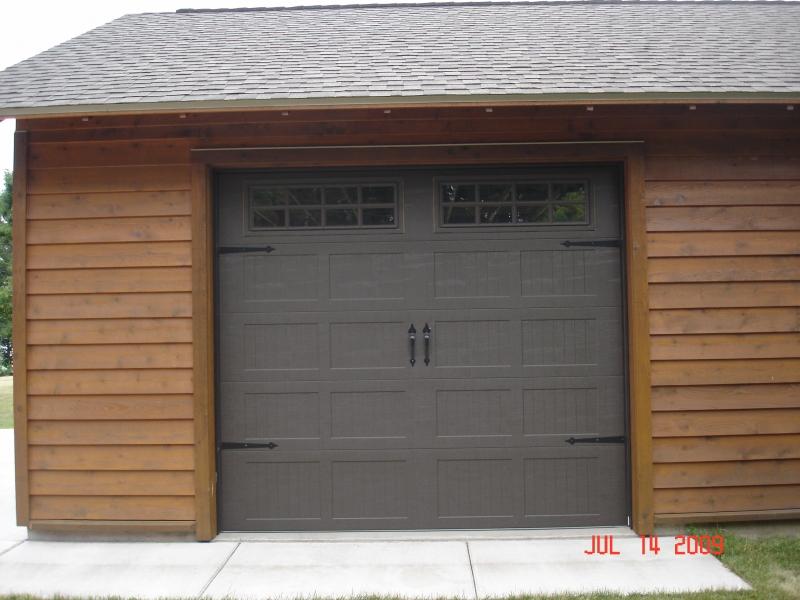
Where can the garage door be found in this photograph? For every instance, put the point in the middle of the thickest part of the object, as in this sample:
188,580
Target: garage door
420,349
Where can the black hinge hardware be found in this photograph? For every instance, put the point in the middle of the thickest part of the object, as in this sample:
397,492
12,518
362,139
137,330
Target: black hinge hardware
600,243
620,439
241,249
246,446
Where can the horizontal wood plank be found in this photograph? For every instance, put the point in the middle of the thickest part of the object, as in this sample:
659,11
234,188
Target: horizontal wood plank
109,281
773,497
725,320
112,483
737,294
725,474
109,306
110,331
725,372
713,168
110,230
721,193
724,268
84,526
126,254
723,218
727,516
105,382
127,432
726,448
135,508
109,179
109,154
726,397
115,204
112,458
110,356
723,243
726,422
110,408
720,347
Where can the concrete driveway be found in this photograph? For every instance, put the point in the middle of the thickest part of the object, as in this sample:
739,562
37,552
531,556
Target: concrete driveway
463,564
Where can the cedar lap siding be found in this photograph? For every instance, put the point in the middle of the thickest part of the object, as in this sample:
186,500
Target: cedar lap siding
113,311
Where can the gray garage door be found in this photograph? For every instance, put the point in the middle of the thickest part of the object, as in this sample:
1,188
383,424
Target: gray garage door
509,281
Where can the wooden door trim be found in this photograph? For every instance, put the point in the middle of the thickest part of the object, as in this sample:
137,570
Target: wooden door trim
19,325
203,353
630,154
641,443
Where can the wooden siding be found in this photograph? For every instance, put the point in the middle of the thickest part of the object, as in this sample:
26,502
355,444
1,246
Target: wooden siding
109,304
724,273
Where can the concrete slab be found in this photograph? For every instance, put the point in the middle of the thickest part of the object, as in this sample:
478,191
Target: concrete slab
8,506
289,570
146,570
561,566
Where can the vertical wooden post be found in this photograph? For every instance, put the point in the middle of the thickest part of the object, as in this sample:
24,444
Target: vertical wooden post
203,353
639,348
19,316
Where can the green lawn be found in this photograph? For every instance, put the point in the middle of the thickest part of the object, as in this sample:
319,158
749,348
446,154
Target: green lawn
6,402
770,565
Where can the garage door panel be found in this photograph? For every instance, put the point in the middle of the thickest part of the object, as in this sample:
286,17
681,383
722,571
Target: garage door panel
525,352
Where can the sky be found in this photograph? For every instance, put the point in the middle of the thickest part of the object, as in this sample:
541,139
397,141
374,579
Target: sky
57,21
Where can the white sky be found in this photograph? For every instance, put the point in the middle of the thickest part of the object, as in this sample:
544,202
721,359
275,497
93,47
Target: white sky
57,21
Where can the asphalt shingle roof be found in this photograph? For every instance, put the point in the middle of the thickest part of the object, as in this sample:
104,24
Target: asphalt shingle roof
418,51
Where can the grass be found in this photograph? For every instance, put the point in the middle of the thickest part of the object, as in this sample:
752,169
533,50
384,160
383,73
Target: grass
6,402
770,565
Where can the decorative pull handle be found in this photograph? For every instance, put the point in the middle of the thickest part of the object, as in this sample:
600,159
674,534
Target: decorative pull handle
412,335
426,332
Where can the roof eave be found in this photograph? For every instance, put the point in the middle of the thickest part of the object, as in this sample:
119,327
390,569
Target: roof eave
418,101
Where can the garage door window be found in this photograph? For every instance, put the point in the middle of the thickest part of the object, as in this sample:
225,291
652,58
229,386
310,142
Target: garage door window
514,203
323,206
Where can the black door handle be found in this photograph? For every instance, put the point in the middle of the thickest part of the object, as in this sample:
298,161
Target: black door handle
412,335
426,332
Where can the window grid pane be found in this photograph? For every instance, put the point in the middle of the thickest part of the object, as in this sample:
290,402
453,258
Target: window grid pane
510,204
324,206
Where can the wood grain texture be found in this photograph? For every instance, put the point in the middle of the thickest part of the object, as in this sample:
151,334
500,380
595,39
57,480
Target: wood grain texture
110,408
638,348
116,229
726,422
120,381
744,294
109,306
116,255
110,331
725,320
19,326
723,243
139,508
767,497
712,168
726,397
63,433
726,448
110,356
112,483
204,365
117,204
117,526
110,281
725,474
724,268
722,372
728,516
109,154
719,347
112,458
721,193
723,218
109,179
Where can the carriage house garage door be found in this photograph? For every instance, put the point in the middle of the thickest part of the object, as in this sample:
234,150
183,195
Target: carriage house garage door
325,423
